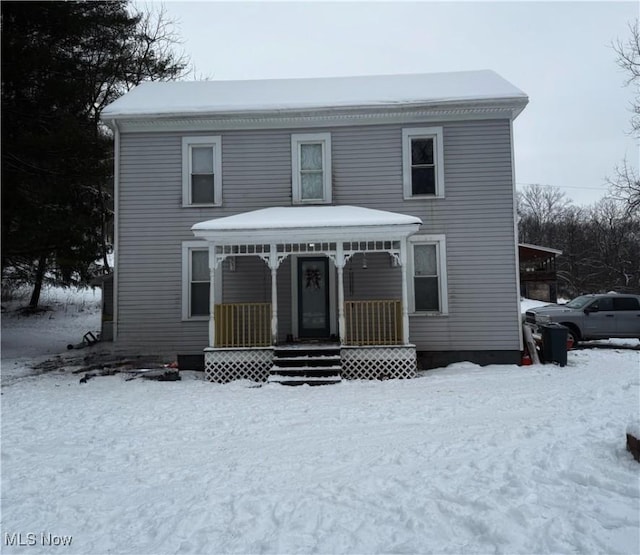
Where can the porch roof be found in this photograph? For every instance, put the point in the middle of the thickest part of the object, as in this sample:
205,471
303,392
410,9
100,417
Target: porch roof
531,252
307,223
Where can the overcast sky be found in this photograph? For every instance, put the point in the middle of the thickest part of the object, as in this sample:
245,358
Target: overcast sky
571,135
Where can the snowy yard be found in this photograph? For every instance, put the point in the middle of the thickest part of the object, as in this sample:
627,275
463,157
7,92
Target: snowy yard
500,459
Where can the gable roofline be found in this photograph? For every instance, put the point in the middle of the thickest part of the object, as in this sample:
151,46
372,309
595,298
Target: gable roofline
336,117
282,102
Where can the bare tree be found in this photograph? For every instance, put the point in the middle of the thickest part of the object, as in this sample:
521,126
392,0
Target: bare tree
539,207
62,63
600,243
628,58
544,202
625,187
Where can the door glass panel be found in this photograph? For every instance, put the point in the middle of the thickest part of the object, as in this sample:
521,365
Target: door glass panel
313,295
625,303
603,304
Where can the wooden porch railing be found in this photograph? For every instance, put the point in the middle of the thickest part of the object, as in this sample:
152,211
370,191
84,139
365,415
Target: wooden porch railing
243,325
373,322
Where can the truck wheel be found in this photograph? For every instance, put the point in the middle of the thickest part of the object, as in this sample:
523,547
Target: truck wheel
573,336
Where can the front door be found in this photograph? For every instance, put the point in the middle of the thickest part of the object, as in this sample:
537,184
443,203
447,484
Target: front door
313,298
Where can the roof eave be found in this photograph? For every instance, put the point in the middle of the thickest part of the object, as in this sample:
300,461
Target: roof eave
514,104
292,235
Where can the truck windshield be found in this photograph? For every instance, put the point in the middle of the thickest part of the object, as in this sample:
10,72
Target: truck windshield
579,302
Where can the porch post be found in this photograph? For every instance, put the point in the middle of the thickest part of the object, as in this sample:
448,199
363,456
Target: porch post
273,266
340,267
405,294
212,295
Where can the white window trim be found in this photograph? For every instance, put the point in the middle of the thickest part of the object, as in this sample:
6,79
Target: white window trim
187,248
436,134
187,143
441,253
296,140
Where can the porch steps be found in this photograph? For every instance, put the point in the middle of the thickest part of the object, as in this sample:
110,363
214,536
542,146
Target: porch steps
306,364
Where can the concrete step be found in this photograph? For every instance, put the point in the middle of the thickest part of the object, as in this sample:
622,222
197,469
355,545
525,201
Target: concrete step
302,380
306,350
304,361
310,371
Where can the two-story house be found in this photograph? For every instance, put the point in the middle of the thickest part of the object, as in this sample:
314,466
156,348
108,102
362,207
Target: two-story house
367,219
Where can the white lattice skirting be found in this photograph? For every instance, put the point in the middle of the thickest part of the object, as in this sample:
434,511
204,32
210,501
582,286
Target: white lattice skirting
378,363
226,365
358,363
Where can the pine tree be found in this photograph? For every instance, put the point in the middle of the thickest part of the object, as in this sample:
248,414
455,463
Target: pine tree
62,63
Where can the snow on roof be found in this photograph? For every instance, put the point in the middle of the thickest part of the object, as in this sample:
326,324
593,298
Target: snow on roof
200,97
304,217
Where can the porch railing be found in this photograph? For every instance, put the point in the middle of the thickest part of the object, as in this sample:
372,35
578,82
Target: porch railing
243,325
373,322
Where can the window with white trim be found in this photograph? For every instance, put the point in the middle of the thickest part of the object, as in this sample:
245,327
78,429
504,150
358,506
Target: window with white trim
202,171
422,162
311,168
195,281
428,285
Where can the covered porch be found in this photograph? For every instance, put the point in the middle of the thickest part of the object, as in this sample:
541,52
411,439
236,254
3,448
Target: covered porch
309,254
538,272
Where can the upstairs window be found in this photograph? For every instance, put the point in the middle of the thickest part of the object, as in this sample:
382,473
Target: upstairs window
201,171
311,168
423,162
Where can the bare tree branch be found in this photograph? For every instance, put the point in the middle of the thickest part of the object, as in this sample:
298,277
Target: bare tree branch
628,58
625,186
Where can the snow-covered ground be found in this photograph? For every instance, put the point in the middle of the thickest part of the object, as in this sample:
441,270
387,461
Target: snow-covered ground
69,314
500,459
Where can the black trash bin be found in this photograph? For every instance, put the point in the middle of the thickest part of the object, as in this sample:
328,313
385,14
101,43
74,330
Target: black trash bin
554,343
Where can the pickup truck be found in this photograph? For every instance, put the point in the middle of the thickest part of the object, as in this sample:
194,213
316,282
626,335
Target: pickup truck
588,317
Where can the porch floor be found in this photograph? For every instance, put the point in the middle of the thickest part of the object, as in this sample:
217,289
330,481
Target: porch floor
308,344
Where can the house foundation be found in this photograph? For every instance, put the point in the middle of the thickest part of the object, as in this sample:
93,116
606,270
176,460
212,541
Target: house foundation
358,363
379,362
226,365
